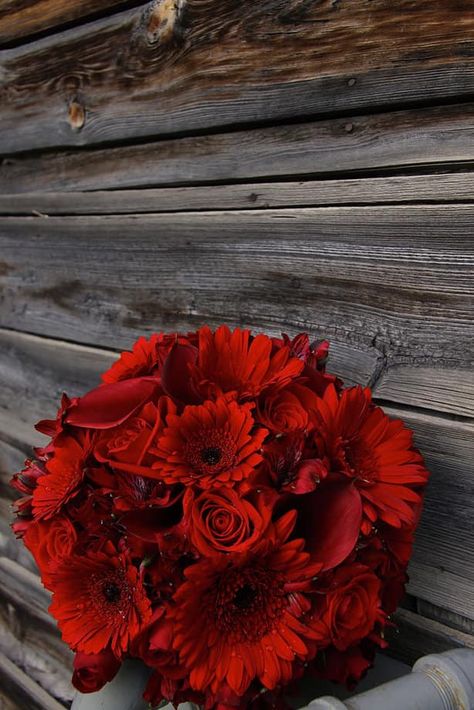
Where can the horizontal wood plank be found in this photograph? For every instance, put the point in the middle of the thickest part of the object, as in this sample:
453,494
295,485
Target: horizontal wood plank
377,279
34,373
447,590
29,648
23,18
22,690
442,569
415,636
36,599
444,187
11,460
453,393
28,634
193,65
9,545
445,616
338,145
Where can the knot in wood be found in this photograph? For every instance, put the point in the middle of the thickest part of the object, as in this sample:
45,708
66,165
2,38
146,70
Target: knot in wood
163,20
77,115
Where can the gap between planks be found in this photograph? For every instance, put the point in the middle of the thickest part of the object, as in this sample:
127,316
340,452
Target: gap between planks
410,140
413,189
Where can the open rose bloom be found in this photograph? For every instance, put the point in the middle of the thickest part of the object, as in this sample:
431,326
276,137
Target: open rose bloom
223,509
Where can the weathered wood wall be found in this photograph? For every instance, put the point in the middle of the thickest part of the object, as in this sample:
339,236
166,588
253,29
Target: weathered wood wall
283,164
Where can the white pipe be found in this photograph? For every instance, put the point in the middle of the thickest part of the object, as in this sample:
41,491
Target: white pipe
437,682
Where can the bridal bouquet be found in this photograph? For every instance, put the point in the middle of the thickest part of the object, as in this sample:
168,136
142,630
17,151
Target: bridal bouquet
225,510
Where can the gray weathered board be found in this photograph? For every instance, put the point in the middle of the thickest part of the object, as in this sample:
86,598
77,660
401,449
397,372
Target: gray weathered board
283,164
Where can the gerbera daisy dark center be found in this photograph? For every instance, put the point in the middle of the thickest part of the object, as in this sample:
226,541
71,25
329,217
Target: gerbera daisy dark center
244,597
211,451
246,603
111,592
211,455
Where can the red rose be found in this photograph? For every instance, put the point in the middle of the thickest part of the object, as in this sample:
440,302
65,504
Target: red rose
93,671
221,521
288,409
126,446
50,542
350,607
154,645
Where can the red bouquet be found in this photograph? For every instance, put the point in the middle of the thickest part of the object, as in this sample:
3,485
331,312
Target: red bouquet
223,509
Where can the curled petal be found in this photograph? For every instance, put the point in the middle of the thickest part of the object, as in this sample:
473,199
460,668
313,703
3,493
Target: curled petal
330,521
109,405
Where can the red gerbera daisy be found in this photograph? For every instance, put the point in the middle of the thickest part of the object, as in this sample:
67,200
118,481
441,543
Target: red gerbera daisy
210,444
147,357
239,617
377,452
64,474
99,601
236,362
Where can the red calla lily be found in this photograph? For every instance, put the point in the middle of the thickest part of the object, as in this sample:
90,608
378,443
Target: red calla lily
331,518
109,405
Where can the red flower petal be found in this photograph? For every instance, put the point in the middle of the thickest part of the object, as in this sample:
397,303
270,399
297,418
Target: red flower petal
331,517
109,405
176,377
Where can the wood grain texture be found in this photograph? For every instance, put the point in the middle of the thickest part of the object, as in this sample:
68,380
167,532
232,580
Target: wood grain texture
30,650
36,599
22,690
11,460
36,644
333,146
442,567
454,393
447,590
379,279
22,18
12,456
9,546
415,636
157,70
445,616
34,373
444,187
28,634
